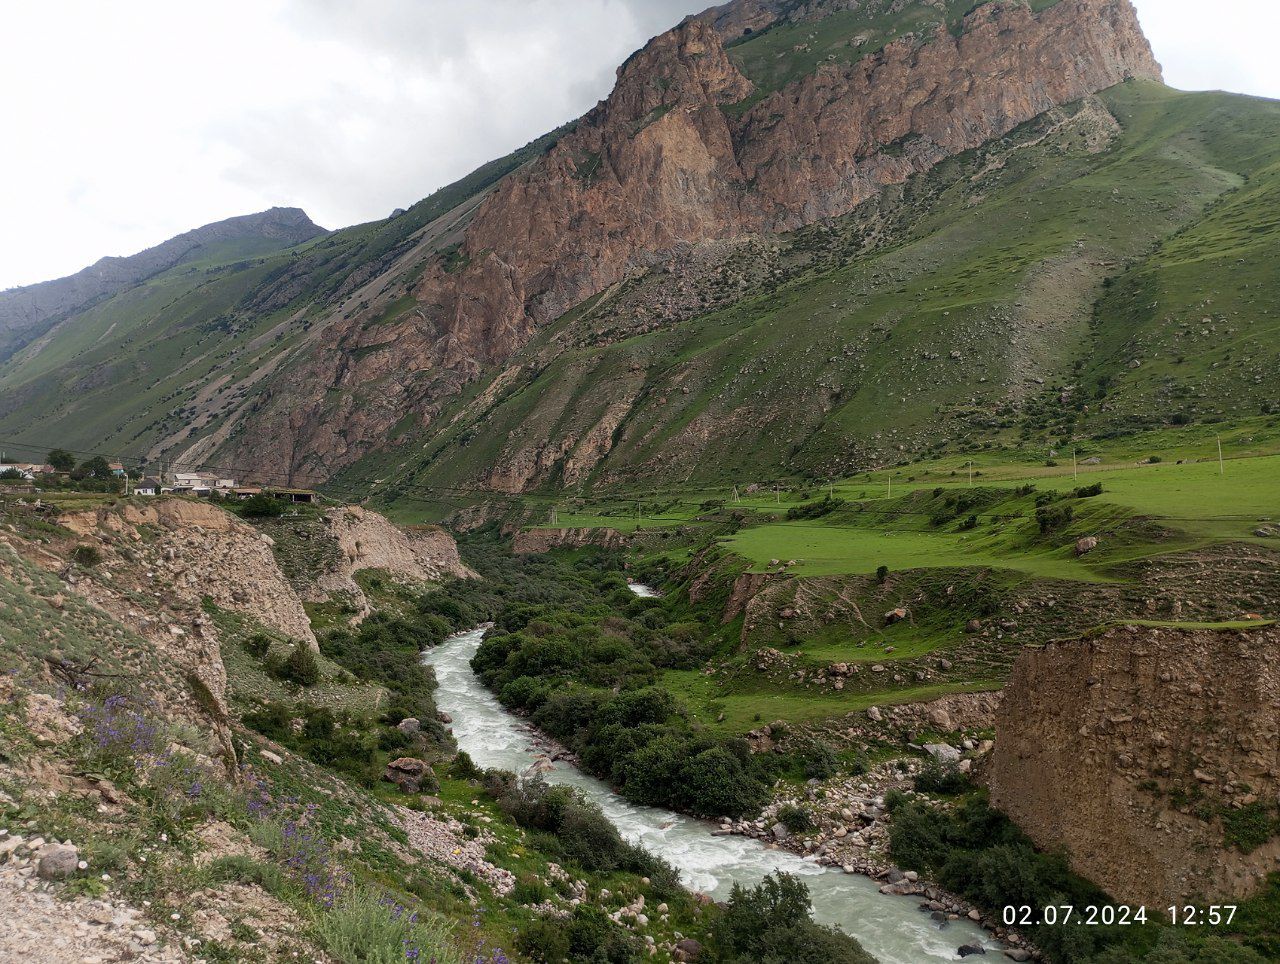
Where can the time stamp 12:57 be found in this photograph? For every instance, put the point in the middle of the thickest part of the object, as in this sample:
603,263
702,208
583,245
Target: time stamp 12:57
1106,915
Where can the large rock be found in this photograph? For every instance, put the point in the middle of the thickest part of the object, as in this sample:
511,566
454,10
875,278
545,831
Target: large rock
410,775
942,752
687,949
1095,736
58,861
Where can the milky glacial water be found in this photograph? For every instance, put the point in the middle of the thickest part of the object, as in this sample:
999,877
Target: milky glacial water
891,928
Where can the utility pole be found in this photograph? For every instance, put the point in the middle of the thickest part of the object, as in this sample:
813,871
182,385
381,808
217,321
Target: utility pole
1222,465
777,495
891,485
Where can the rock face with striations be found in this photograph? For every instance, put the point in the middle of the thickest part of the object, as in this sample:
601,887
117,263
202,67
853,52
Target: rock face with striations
661,163
1139,751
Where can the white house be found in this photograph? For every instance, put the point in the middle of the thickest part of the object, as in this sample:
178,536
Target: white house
148,486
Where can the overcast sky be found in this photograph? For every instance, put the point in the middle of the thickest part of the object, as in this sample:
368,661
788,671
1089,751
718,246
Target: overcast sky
125,123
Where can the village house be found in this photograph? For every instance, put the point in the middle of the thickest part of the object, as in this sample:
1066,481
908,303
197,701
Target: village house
150,486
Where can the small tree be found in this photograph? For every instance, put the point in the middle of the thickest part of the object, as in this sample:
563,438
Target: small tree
61,460
300,666
94,468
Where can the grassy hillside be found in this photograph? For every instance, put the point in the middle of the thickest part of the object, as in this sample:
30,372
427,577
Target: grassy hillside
999,301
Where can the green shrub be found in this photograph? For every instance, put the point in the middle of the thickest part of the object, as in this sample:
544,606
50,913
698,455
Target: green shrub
1053,517
364,927
819,760
87,556
257,645
943,778
1250,827
262,507
544,941
592,936
300,667
794,818
772,924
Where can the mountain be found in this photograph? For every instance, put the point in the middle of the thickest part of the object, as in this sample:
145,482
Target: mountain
28,312
697,143
797,239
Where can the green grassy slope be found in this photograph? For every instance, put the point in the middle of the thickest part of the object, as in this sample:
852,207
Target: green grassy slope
994,306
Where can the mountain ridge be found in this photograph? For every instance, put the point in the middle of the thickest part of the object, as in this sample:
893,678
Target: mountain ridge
29,309
662,162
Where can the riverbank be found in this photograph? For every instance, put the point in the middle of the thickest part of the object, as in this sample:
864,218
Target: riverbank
892,927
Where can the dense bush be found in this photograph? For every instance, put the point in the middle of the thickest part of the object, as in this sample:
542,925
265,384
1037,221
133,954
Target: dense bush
300,667
261,507
1053,517
975,851
815,510
941,778
772,924
576,830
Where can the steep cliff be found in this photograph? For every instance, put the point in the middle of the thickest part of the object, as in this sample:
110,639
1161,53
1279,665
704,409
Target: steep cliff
685,150
1152,756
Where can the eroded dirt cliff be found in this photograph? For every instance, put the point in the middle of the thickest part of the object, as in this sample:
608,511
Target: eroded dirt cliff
1148,754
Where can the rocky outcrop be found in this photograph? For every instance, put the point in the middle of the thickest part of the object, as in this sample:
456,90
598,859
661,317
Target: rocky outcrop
661,163
534,541
369,541
1139,751
195,551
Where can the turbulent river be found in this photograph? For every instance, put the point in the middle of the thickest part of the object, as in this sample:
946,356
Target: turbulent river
891,928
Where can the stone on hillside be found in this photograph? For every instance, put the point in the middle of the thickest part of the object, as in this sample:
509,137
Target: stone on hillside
687,949
58,861
779,831
443,717
409,725
272,757
409,775
874,714
895,616
941,719
1086,545
942,753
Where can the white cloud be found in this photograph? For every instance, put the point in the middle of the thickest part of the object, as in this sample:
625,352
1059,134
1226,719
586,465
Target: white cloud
127,123
1225,45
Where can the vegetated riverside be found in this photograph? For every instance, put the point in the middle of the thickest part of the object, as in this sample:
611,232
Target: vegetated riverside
581,656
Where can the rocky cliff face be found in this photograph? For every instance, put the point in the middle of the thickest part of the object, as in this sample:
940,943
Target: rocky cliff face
182,553
1145,753
27,309
668,160
366,540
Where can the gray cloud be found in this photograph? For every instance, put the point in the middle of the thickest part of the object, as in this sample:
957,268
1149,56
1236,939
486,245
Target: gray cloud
130,125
